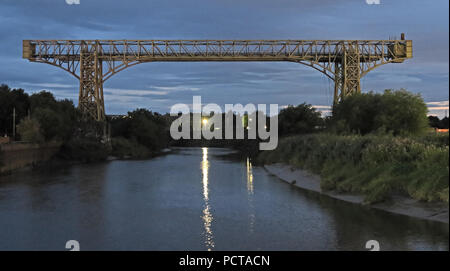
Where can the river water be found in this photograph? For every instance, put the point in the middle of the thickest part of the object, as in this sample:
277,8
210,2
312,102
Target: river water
191,199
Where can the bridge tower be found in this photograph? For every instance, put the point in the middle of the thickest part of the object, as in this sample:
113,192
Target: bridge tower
91,100
347,74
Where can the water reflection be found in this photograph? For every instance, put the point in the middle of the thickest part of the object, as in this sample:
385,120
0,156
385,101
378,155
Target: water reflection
249,177
250,195
207,216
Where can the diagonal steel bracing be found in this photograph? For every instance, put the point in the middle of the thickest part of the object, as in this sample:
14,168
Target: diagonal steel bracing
95,61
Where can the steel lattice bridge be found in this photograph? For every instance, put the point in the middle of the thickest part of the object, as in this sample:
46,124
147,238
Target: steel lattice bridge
95,61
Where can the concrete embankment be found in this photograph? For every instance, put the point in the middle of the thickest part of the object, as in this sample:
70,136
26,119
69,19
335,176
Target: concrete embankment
15,156
396,204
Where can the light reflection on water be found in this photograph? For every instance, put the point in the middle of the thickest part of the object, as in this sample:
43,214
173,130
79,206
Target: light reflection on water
249,177
250,195
207,216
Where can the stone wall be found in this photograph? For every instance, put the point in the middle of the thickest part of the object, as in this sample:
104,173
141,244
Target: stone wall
14,156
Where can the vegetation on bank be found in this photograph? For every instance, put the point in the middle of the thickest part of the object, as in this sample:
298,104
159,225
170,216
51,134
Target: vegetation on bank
394,112
140,133
373,144
374,165
42,118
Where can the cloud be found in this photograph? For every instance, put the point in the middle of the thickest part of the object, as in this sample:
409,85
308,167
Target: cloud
49,85
438,103
133,92
321,106
175,88
438,108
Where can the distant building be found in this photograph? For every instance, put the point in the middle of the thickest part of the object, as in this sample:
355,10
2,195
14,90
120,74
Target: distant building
441,130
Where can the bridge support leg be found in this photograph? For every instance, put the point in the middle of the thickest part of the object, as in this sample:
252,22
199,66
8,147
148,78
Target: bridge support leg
91,102
347,73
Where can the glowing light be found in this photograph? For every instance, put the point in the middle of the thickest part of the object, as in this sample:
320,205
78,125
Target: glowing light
205,121
249,177
250,194
207,216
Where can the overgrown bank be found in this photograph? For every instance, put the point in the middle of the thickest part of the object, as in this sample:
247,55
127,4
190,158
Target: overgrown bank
373,165
373,144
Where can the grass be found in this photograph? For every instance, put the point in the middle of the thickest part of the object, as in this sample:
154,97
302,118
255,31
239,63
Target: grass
373,165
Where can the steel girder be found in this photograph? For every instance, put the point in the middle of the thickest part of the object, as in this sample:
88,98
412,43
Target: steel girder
95,61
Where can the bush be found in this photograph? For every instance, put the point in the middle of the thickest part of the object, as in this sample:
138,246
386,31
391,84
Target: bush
373,165
29,130
439,140
122,147
84,149
397,112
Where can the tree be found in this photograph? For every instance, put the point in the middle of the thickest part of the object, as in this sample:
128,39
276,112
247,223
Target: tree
149,129
57,119
10,99
444,123
144,127
29,130
43,99
300,119
396,112
434,121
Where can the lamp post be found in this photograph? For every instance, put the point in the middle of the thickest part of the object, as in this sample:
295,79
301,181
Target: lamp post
14,123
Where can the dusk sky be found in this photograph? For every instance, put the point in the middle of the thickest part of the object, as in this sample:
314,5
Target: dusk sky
159,85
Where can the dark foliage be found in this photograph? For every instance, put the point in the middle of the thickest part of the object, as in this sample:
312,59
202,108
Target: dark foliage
300,119
397,112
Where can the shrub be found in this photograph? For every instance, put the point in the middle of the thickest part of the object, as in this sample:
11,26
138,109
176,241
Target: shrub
397,112
29,130
84,149
374,165
122,147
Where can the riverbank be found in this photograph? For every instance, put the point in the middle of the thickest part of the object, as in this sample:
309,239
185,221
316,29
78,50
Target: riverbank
22,156
375,166
398,204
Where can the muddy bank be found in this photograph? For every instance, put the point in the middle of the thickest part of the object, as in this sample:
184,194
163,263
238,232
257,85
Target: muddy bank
396,204
23,157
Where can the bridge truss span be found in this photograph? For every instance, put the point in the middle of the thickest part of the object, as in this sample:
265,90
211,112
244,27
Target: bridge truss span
95,61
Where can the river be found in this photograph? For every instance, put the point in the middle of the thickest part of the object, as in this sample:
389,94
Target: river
191,199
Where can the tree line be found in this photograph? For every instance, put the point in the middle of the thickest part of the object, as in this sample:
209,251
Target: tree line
393,112
42,118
